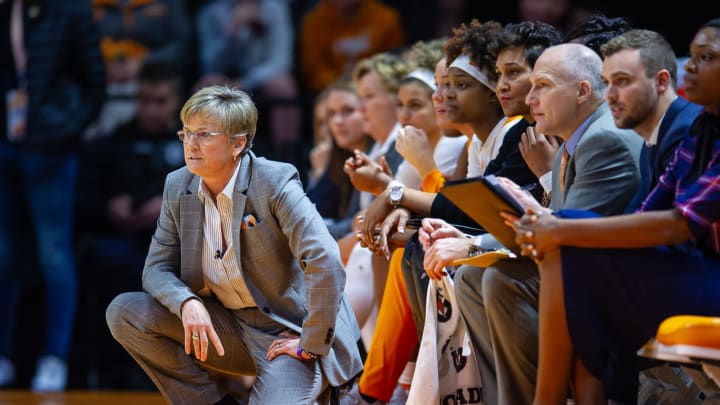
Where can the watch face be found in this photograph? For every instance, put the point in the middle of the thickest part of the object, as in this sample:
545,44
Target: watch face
396,194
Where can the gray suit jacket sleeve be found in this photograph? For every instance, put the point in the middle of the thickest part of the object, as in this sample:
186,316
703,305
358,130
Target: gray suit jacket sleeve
316,252
161,274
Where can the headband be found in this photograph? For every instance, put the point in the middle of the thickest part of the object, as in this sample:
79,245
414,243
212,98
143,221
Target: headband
425,76
462,62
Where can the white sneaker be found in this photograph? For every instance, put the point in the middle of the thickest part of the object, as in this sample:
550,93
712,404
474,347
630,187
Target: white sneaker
7,372
51,375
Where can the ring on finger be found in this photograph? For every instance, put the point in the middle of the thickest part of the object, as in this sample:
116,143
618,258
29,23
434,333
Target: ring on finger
528,249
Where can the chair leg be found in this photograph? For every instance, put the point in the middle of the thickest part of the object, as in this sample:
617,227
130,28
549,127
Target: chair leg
674,384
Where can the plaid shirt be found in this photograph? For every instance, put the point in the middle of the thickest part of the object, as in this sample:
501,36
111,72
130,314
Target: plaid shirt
698,200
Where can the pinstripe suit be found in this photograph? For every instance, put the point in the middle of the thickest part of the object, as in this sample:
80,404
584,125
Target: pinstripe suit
292,268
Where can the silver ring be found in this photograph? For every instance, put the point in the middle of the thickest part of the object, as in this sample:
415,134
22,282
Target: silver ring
534,253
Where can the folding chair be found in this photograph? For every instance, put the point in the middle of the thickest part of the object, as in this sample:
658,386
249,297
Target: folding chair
691,347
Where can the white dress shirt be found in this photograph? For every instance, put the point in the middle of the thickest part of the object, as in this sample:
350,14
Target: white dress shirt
222,275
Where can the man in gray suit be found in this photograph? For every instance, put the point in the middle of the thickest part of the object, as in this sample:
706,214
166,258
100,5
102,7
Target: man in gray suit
595,169
242,261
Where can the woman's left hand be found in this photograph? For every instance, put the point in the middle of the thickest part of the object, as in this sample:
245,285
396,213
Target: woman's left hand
286,343
394,222
373,216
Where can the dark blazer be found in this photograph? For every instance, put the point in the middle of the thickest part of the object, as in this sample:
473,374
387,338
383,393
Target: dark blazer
508,163
674,126
289,261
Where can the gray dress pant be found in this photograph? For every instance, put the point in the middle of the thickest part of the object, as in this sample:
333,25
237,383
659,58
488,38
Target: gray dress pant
154,337
500,307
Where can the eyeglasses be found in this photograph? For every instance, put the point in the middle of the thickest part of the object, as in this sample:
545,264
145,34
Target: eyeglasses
202,137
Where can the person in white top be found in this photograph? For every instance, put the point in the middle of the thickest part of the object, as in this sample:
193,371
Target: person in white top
377,80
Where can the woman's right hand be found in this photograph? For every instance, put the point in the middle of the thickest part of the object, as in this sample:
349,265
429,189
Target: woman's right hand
538,151
414,146
366,174
199,330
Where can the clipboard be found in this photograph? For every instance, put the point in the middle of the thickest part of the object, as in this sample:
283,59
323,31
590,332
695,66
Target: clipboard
482,199
485,259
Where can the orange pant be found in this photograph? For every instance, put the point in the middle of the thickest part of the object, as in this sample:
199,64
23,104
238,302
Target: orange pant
395,339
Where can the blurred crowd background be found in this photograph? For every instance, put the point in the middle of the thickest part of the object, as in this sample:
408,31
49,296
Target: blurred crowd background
283,52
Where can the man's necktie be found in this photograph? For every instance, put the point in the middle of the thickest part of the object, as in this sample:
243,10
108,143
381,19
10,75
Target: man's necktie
563,168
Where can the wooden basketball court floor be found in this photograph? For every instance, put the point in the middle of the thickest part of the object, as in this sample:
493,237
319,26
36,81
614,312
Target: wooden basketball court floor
26,397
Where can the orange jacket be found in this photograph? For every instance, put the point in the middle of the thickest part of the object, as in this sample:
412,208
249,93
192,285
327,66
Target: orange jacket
331,44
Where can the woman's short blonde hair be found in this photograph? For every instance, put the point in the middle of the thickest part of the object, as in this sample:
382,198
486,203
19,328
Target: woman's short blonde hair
390,68
232,108
426,54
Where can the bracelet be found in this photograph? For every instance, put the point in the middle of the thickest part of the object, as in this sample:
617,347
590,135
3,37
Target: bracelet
304,354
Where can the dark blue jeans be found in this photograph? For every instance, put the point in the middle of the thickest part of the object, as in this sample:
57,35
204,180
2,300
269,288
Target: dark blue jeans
37,200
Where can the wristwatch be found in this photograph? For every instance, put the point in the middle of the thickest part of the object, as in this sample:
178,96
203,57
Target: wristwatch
395,194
